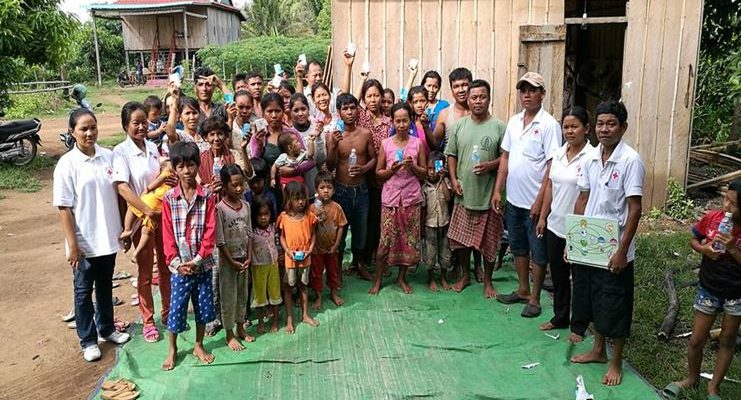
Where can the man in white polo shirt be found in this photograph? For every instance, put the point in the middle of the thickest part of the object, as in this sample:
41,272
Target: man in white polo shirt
531,138
611,187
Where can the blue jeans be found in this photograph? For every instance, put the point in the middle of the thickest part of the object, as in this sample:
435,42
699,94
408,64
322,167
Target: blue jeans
97,272
523,240
354,202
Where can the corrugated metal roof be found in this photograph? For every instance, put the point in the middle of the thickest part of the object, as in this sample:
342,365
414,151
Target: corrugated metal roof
133,5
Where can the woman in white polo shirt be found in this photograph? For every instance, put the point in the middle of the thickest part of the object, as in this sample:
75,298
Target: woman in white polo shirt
560,194
135,165
84,192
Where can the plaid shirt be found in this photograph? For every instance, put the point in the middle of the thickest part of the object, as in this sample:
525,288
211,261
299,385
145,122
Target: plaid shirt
195,221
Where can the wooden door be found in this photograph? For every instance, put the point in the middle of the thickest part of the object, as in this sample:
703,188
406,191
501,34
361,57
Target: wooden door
542,50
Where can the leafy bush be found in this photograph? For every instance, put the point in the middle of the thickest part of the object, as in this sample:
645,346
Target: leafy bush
34,105
260,53
717,94
678,205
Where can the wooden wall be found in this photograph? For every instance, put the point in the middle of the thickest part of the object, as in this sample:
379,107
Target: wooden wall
482,35
223,26
660,60
659,71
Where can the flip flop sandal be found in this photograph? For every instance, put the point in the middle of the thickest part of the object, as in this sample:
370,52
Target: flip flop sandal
134,283
72,325
531,311
121,275
121,325
151,334
115,285
70,316
116,301
671,391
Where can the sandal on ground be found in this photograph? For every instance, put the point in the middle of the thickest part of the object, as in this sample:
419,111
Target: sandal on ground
671,391
116,301
151,334
121,275
70,316
531,311
511,298
72,325
121,325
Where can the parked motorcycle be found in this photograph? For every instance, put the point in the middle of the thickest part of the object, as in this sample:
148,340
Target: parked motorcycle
126,78
19,140
79,92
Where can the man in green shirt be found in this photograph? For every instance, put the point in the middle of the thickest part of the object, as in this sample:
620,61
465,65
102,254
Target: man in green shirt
473,159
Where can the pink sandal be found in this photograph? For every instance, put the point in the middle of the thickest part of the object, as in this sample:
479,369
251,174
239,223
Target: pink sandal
151,334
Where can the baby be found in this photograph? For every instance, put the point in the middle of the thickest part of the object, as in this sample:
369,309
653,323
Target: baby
292,155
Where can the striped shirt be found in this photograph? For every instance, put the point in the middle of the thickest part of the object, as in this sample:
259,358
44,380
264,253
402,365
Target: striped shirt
193,223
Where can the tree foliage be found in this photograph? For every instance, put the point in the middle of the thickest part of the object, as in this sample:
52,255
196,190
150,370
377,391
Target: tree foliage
81,64
291,18
32,32
324,20
260,53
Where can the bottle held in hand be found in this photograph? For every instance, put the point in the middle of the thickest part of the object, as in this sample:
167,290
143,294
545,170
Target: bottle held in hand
352,159
476,156
725,227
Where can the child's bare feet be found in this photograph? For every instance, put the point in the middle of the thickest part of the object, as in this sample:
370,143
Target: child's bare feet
260,326
404,286
547,326
489,291
311,321
614,375
590,357
202,354
461,284
241,333
363,273
445,284
478,272
336,299
232,341
432,285
169,362
289,325
575,338
317,304
274,324
375,288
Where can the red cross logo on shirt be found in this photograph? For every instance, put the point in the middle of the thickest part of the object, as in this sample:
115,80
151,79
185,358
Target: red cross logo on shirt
109,171
535,132
615,175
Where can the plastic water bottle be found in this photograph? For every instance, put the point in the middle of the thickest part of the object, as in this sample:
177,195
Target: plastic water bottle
184,250
318,204
475,156
725,227
399,157
352,159
217,167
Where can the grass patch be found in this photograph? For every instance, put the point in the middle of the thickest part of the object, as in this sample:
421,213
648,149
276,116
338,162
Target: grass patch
112,141
659,362
25,179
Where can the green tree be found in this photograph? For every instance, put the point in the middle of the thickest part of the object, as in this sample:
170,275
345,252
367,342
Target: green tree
324,20
81,64
291,18
32,32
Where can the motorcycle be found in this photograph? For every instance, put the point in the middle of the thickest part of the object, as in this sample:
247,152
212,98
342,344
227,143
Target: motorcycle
19,140
78,94
126,78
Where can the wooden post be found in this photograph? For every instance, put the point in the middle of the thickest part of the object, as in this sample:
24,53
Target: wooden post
97,52
185,29
126,53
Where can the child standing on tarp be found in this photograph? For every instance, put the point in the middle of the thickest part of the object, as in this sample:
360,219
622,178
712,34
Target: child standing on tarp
437,218
233,238
189,238
265,272
719,290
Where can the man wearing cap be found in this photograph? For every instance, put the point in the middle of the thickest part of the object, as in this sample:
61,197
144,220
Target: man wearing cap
531,137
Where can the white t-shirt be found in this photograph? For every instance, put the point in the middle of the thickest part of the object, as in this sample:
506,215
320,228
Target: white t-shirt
610,185
563,187
529,148
136,167
85,184
312,107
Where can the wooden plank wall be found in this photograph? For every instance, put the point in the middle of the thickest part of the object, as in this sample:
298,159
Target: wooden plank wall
482,35
223,26
660,60
138,32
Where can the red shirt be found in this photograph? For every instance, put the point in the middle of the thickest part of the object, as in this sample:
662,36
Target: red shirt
194,222
721,277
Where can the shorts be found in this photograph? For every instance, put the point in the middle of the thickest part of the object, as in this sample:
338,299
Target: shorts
265,285
604,298
297,274
196,287
522,238
710,304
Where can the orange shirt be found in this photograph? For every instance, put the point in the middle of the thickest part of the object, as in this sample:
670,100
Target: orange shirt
332,218
298,233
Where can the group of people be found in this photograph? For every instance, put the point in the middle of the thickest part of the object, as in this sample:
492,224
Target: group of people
252,199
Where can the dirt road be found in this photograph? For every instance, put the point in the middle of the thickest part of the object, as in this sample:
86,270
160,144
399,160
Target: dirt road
41,357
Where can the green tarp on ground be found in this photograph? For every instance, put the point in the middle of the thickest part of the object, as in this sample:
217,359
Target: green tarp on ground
393,346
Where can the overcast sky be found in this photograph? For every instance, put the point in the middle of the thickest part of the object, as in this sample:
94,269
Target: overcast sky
78,7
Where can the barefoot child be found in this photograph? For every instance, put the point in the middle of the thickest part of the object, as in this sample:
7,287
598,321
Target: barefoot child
234,228
611,185
265,272
719,290
401,165
189,237
329,230
153,199
298,237
437,200
292,155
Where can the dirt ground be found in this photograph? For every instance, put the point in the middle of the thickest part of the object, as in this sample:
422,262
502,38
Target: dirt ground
41,357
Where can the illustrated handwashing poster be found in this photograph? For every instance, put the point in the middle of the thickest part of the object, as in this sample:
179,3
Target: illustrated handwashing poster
591,241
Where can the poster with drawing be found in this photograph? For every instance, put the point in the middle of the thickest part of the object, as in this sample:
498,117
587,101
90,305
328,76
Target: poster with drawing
591,241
